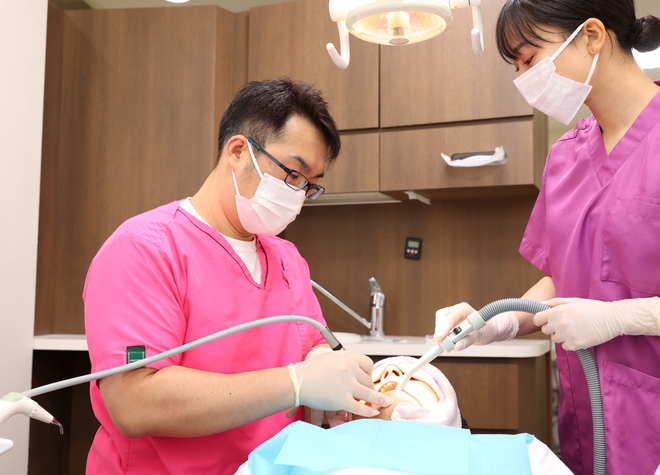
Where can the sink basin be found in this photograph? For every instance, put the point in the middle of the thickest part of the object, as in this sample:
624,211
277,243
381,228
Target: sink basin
345,338
385,339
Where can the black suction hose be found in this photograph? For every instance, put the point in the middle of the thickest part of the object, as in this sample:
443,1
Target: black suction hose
588,364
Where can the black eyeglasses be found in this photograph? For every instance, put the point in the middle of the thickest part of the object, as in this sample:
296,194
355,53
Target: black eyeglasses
294,180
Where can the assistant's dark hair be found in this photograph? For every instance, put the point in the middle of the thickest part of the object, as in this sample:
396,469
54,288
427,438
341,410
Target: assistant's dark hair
261,109
522,22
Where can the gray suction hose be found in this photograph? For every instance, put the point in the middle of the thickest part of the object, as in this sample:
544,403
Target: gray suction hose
327,334
588,364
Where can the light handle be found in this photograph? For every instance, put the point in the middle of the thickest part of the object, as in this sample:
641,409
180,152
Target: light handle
477,32
340,60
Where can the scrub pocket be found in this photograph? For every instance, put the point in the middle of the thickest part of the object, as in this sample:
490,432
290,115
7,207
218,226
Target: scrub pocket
631,245
632,419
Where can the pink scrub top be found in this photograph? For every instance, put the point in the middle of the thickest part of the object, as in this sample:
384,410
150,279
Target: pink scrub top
164,279
595,229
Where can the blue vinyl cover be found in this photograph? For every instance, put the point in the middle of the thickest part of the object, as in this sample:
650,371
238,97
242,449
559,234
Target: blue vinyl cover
416,448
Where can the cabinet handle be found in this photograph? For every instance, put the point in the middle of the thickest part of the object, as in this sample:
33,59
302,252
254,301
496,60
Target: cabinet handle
476,159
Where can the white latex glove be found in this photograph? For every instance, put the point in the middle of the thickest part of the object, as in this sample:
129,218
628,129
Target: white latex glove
582,323
501,327
316,416
333,382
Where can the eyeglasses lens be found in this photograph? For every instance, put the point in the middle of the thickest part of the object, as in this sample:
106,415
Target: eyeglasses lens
295,180
314,191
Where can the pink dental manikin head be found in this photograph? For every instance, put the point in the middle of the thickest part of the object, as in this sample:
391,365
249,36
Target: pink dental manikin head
428,396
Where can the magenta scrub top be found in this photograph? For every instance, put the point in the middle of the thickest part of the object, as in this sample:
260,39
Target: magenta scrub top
164,279
595,229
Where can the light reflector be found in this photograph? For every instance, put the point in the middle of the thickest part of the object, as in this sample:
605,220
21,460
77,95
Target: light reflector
397,28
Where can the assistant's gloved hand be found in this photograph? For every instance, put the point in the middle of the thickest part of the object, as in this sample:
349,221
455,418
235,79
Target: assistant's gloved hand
501,327
336,381
582,323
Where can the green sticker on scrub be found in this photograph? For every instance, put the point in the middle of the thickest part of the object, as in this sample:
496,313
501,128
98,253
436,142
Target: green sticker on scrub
135,353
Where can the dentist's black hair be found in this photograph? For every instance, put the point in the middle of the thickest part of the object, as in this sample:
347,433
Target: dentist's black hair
261,109
522,22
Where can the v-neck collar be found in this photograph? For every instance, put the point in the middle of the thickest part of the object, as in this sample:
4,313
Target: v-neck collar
608,164
224,244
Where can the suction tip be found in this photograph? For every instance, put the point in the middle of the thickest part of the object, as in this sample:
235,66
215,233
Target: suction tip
59,426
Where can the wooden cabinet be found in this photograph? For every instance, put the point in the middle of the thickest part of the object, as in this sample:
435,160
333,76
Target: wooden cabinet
131,125
440,80
410,159
469,254
400,159
356,168
502,395
289,39
135,96
51,453
471,102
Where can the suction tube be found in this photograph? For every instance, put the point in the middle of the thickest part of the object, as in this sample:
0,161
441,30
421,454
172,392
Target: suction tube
590,372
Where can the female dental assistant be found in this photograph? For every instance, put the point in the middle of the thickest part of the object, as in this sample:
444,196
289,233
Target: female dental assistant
194,267
595,228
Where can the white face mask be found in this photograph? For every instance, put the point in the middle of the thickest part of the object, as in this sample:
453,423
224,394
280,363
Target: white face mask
554,95
272,208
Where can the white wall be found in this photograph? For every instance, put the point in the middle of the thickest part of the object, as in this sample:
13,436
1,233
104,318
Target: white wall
22,58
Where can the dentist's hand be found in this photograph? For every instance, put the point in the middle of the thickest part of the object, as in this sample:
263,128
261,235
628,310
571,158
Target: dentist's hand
316,415
336,381
582,323
501,327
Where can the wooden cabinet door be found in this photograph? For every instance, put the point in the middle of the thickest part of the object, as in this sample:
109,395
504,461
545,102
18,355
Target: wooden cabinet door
288,39
441,80
139,102
356,168
410,159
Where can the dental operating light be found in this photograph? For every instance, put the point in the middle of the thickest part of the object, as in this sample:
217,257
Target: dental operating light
397,22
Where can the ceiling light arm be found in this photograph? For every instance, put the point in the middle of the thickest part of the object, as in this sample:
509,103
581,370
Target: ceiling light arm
341,60
477,32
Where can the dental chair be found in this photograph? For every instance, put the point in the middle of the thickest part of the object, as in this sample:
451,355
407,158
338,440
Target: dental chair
378,447
424,436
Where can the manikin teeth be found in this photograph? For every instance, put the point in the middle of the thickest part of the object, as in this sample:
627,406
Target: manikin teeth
388,386
390,383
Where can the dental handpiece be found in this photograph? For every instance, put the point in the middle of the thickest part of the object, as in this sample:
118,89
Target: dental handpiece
473,322
17,403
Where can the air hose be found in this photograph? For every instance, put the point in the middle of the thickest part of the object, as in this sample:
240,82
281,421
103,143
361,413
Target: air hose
327,334
588,364
17,403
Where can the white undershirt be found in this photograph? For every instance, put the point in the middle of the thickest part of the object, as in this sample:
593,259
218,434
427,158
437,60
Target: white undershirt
246,250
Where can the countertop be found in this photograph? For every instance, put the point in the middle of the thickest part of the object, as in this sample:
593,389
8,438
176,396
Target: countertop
401,346
418,345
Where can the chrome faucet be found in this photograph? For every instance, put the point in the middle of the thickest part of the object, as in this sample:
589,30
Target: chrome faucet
377,309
